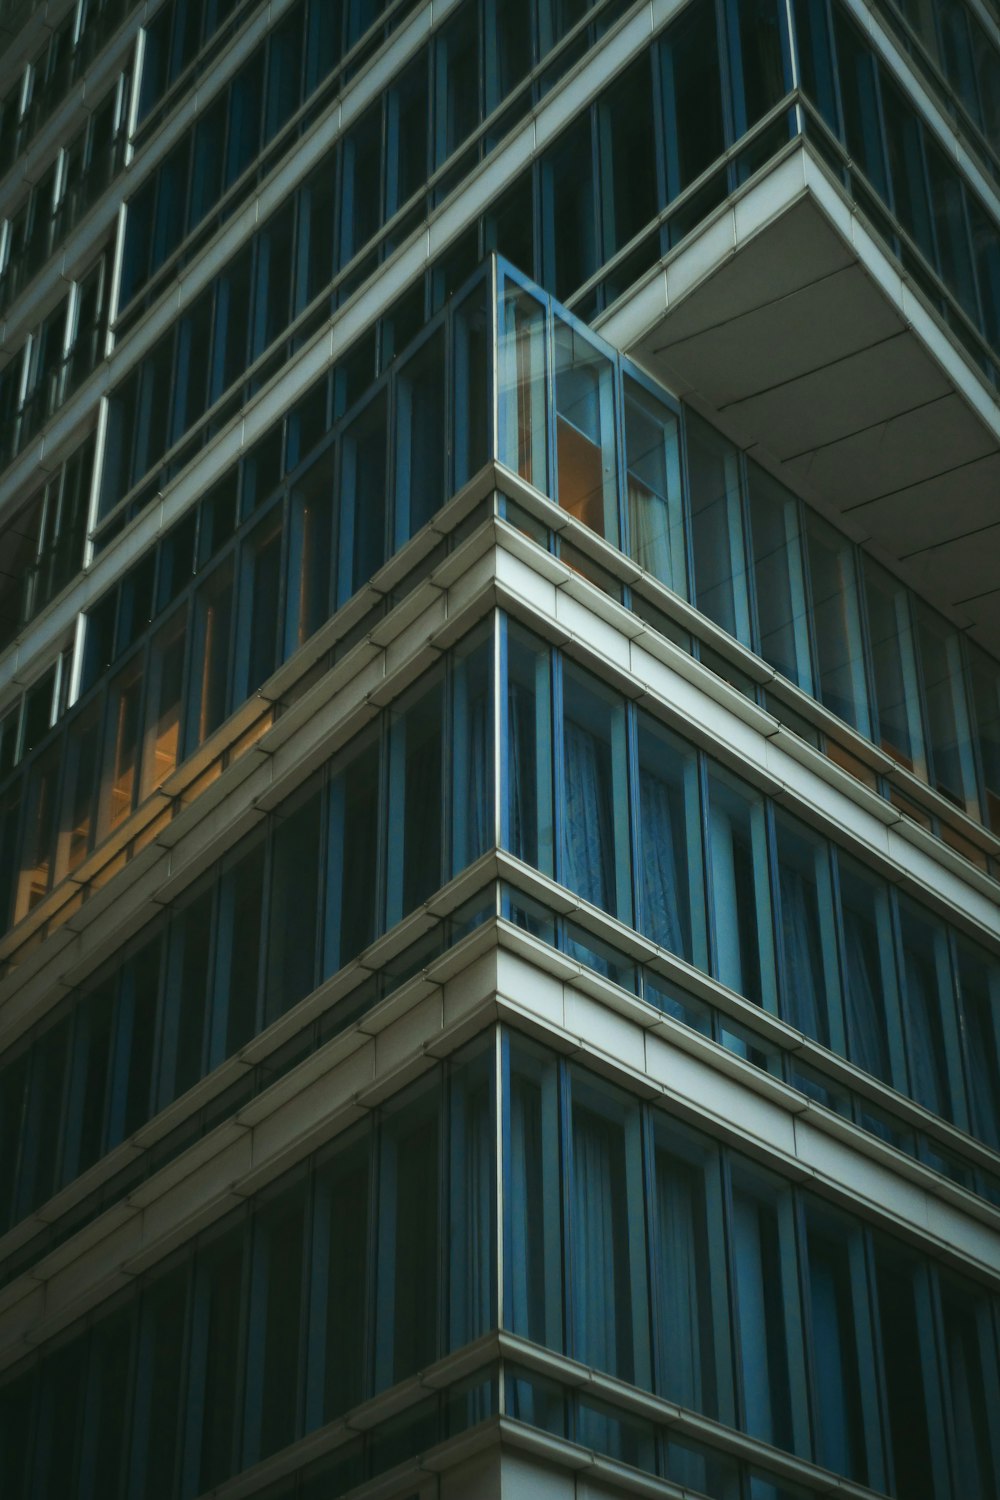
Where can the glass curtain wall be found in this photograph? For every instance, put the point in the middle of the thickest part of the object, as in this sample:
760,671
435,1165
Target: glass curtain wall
656,1254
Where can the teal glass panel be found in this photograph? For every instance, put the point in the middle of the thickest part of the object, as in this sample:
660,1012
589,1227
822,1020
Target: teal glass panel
654,499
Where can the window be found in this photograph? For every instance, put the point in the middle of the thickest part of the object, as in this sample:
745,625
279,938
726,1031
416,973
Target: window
717,528
671,896
595,818
585,432
653,487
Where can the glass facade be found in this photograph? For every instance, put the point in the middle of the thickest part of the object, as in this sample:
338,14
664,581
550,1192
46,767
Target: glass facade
289,535
499,942
654,1255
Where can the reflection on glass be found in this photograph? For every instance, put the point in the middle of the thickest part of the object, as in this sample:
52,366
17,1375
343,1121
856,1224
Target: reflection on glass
595,823
363,498
210,658
533,1246
840,1346
897,695
313,521
806,936
948,732
869,971
585,432
717,528
607,1244
653,480
743,948
39,832
837,622
523,407
528,830
420,437
779,578
669,858
409,1260
689,1273
164,683
767,1313
929,1010
122,747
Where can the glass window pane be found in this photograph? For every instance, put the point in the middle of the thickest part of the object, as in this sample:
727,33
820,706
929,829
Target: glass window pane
609,1315
164,690
238,942
528,774
409,1255
569,237
39,831
595,854
472,1262
779,577
653,485
213,605
810,990
533,1260
690,1280
839,1341
293,887
669,857
471,776
694,133
363,498
628,156
929,1011
260,587
870,1001
109,1392
416,791
278,1292
948,730
979,987
767,1309
837,622
585,432
761,60
186,997
155,1447
523,388
313,537
214,1359
135,1040
44,1120
420,438
341,1292
739,890
353,905
717,528
908,1359
985,682
897,695
971,1386
87,1105
471,427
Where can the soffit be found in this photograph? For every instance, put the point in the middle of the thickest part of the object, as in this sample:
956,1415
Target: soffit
803,340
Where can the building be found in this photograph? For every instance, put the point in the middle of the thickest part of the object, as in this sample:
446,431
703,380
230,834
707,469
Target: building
500,749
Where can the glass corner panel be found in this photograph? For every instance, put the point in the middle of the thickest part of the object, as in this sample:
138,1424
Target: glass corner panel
585,432
523,394
654,498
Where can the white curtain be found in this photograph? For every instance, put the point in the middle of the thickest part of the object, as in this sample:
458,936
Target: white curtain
588,829
661,888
